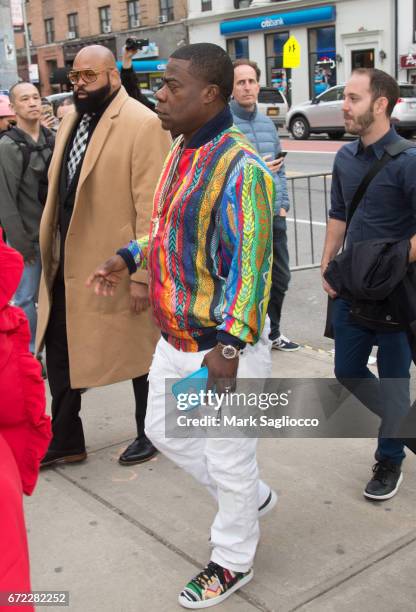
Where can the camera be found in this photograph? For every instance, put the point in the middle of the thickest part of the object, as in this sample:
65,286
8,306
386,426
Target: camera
134,44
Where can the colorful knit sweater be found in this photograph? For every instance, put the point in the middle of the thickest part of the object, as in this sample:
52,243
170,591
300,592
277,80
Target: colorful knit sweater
209,254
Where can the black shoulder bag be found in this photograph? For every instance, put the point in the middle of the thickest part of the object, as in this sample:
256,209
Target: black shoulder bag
390,151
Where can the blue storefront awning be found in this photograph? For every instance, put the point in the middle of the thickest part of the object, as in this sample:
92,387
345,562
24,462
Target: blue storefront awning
158,65
278,20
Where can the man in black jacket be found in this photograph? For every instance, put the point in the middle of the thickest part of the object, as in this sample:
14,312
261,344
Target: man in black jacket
129,79
386,211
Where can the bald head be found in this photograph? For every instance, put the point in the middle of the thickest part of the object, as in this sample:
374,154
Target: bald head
94,56
18,88
95,78
26,103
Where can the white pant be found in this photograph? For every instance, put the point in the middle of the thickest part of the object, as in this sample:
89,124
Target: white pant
226,467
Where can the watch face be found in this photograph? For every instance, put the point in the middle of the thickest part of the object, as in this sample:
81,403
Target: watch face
229,352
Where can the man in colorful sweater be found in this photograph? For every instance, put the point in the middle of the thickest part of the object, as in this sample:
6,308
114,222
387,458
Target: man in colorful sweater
209,259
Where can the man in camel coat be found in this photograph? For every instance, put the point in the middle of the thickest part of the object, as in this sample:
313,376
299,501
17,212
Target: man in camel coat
107,159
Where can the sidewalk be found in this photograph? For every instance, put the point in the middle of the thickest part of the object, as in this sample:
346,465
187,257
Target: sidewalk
128,539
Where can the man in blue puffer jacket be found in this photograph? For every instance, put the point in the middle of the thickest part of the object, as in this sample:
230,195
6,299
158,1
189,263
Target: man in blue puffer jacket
261,132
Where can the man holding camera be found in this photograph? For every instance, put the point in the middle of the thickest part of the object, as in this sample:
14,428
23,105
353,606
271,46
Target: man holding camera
107,159
128,76
262,134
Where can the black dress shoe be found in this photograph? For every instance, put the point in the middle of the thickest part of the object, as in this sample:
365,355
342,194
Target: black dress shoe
56,457
139,451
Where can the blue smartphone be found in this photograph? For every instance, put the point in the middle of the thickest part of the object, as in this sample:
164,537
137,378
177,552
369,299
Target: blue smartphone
194,383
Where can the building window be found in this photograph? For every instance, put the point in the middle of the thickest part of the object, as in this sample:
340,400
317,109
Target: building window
206,5
52,66
105,19
49,30
277,76
73,25
133,12
239,4
322,63
237,48
166,11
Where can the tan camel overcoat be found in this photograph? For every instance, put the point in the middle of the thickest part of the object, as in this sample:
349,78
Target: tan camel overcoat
113,204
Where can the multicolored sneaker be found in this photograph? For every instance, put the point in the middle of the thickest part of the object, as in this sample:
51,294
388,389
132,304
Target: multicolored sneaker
211,586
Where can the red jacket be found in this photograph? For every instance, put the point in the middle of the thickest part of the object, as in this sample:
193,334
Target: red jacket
25,430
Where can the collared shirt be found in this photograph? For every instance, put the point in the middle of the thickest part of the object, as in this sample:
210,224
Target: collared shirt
66,205
388,208
209,256
93,124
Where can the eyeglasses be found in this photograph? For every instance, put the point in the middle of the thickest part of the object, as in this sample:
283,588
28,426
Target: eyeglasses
88,76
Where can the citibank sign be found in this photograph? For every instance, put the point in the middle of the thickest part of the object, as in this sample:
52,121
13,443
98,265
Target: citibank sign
272,23
267,22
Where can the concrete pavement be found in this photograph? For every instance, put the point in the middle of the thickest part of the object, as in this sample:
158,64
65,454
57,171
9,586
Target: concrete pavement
127,539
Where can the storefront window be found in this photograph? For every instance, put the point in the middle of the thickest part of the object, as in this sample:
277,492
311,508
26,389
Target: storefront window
237,48
277,76
322,64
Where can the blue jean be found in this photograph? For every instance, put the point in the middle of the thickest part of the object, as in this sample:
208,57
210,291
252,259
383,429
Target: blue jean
26,294
389,399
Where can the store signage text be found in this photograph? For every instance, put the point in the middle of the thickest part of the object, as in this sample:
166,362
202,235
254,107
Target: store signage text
408,61
267,22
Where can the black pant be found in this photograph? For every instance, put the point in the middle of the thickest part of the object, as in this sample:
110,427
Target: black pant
68,433
280,275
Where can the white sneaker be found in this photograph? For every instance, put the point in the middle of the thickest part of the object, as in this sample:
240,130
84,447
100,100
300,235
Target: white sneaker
269,504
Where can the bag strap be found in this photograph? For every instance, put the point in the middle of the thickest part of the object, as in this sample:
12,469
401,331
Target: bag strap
390,151
18,137
49,138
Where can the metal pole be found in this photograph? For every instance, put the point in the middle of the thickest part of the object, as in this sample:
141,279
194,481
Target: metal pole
396,39
27,42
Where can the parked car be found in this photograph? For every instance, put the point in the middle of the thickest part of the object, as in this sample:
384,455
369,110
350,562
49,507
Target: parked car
404,113
150,95
323,114
272,102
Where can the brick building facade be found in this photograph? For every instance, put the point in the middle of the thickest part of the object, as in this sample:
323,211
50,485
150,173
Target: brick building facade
58,29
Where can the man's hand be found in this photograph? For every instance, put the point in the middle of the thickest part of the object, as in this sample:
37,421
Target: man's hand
222,372
108,276
48,121
128,57
139,297
273,165
412,252
282,212
326,286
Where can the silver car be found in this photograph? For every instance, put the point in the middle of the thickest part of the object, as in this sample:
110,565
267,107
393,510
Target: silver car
272,102
323,114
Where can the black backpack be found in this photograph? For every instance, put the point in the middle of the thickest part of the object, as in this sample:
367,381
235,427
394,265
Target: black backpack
27,149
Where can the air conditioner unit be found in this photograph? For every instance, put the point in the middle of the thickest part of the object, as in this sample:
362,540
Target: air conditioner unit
107,29
135,23
163,19
71,35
